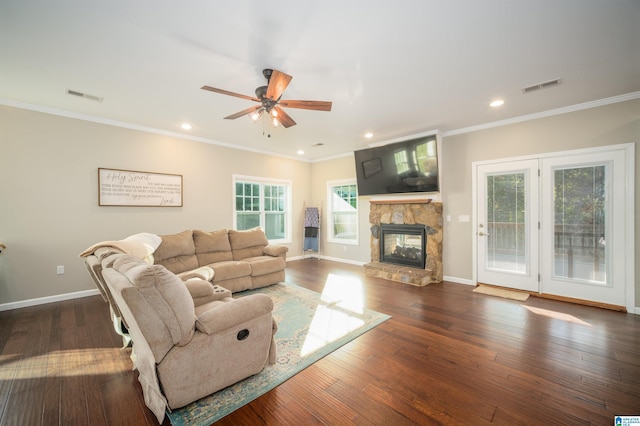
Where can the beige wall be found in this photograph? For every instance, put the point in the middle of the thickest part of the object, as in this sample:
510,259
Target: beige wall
606,125
49,208
48,187
339,169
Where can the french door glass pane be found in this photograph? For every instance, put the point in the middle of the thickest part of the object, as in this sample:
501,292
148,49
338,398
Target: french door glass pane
506,223
579,221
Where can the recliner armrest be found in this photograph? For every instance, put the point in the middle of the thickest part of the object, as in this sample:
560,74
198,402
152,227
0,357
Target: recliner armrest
233,313
204,292
275,250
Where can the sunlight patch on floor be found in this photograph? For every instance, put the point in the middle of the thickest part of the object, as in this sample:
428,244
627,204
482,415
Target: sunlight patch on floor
339,312
73,362
346,292
557,315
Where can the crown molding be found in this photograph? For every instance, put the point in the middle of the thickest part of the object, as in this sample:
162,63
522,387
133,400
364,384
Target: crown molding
131,126
543,114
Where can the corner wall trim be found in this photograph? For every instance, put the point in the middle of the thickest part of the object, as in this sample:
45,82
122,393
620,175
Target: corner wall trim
48,299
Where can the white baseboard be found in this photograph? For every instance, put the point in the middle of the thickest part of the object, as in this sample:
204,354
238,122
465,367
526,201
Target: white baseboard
458,280
338,259
335,259
48,299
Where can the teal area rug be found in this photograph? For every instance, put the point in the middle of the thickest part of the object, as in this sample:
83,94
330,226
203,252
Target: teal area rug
310,326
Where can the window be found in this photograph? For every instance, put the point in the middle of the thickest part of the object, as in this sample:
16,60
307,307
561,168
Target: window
342,217
265,203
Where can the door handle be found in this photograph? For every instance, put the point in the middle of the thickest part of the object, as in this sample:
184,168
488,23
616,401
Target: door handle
482,234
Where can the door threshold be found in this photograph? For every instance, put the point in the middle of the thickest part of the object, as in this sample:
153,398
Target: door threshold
581,302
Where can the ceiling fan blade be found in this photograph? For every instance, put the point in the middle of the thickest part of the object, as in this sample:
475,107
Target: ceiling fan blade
278,82
244,112
314,105
226,92
284,118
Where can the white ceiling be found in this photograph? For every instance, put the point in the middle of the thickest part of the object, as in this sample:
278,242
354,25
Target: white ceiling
392,68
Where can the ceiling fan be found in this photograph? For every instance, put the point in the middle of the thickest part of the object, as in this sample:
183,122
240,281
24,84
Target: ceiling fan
269,98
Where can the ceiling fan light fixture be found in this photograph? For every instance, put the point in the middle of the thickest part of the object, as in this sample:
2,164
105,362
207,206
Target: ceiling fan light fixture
255,116
270,100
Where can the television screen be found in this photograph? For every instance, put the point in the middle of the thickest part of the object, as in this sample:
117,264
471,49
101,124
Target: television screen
407,166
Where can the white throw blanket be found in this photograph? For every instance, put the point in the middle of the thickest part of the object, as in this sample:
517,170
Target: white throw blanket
140,245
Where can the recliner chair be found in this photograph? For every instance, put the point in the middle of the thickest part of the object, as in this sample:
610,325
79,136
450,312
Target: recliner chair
189,339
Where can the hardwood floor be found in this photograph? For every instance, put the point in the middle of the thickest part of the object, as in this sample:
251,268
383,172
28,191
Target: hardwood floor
447,356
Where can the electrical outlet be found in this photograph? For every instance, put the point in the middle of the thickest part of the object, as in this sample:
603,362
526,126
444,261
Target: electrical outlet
60,270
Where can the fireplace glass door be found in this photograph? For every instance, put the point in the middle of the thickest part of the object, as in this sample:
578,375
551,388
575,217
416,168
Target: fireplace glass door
403,245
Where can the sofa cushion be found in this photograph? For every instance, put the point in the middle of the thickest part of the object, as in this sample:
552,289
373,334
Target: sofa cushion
212,247
177,252
249,243
231,269
263,265
166,295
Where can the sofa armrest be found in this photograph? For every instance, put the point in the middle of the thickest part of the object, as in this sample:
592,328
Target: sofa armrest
204,273
233,313
275,251
204,292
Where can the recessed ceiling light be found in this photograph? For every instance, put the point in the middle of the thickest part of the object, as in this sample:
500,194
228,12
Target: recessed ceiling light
368,135
300,152
496,103
186,126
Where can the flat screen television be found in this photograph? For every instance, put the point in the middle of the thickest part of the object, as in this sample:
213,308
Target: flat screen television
407,166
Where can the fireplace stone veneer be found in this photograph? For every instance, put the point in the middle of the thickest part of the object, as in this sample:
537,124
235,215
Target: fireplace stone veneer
409,212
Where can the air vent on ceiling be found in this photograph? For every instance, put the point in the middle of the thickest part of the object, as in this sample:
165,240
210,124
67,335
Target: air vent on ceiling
315,145
84,95
539,86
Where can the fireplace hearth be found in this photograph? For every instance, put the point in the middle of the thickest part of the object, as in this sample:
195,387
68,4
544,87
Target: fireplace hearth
403,244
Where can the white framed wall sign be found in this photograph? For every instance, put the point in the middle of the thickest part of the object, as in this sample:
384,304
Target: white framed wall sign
141,189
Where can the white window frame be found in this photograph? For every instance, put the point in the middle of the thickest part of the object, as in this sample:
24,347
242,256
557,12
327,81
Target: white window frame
330,238
262,181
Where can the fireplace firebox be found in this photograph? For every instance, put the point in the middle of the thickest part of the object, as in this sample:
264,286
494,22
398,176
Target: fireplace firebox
403,244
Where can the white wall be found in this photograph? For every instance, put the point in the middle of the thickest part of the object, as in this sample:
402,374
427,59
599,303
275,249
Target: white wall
49,208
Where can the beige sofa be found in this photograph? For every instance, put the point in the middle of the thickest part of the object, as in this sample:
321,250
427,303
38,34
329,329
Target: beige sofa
236,260
190,338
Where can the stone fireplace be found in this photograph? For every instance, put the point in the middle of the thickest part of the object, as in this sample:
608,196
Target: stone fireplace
406,241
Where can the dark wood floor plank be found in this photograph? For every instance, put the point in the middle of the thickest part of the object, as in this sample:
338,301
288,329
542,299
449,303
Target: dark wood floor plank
447,356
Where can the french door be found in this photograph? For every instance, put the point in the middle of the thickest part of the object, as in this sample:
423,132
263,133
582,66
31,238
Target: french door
583,199
560,224
507,224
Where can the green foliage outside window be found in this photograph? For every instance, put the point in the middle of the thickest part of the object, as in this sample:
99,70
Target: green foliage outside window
262,205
